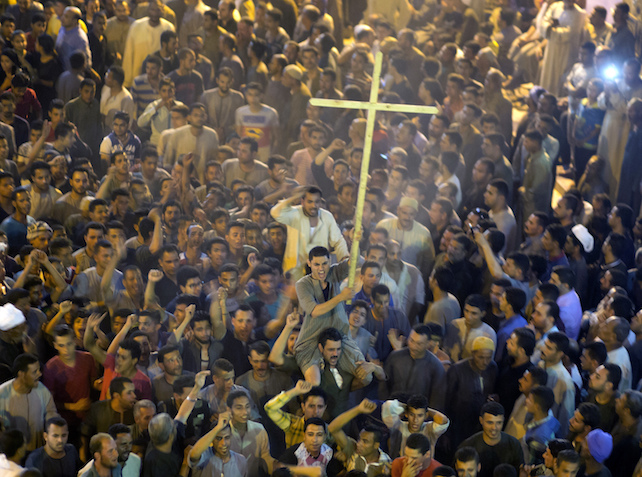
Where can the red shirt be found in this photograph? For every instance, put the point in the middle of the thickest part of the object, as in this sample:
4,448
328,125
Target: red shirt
142,384
70,385
29,108
397,468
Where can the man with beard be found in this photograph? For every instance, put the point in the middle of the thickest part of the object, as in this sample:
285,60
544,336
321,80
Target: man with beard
171,362
415,239
129,462
93,282
246,166
165,281
86,256
469,383
132,297
438,125
102,448
222,103
43,195
309,226
56,457
69,203
303,158
195,139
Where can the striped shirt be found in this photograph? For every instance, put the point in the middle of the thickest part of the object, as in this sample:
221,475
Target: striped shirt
143,93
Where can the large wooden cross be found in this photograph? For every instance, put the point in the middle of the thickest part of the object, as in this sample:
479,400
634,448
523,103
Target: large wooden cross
372,106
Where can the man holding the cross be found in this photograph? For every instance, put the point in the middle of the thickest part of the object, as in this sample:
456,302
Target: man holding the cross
322,300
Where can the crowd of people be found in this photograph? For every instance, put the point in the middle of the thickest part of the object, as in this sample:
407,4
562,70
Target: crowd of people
177,220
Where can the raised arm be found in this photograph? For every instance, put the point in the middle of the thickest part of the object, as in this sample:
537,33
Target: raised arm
132,321
283,205
40,143
30,266
188,404
105,282
63,309
89,340
307,301
336,426
494,267
153,277
180,329
157,236
278,350
217,307
60,283
274,405
204,442
273,326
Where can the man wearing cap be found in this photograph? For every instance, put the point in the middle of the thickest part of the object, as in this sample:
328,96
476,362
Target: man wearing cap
13,327
579,242
38,234
415,240
295,111
71,38
25,403
596,448
469,383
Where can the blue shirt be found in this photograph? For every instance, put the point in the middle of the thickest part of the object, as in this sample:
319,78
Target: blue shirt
70,41
504,332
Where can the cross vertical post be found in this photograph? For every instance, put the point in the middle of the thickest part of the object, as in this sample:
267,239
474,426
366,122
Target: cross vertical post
371,107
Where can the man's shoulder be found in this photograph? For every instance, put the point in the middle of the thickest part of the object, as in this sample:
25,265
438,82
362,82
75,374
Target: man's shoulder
473,441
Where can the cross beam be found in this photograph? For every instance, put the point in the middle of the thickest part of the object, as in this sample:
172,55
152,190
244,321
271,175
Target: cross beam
371,106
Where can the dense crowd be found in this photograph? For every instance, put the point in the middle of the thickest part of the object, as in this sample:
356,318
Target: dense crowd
176,221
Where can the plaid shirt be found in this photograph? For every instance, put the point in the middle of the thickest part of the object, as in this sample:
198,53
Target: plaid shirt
292,425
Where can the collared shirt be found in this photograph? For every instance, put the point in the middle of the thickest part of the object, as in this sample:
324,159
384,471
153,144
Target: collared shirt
160,118
571,313
292,425
91,472
254,445
131,468
70,41
302,238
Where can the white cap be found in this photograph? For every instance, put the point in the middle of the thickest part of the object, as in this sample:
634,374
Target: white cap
10,317
584,236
